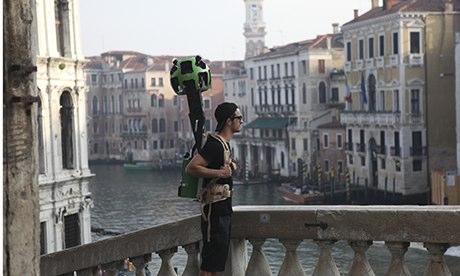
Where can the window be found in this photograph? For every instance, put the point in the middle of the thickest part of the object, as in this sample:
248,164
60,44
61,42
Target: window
282,160
71,230
43,240
286,69
265,95
371,47
260,96
293,166
95,105
363,161
395,44
135,83
361,49
293,94
278,71
321,66
162,144
326,165
252,96
417,165
304,93
272,67
161,101
171,144
350,159
61,9
113,104
160,81
273,94
132,83
292,68
305,144
120,103
382,100
207,125
265,72
162,125
396,100
94,78
381,45
66,116
153,82
126,84
348,51
304,67
340,167
382,141
339,141
286,95
142,83
335,94
350,139
279,95
154,125
383,163
414,42
251,73
155,145
325,141
145,144
260,73
293,143
322,92
415,101
176,126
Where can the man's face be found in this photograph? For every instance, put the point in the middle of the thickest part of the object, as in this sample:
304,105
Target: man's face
236,121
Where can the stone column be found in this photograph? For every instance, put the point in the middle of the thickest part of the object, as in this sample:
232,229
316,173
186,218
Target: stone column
166,268
291,265
192,267
258,264
140,262
397,265
326,265
237,259
437,265
360,265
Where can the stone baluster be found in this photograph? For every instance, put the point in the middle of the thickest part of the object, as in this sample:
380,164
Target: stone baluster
192,267
326,265
140,262
360,265
397,265
237,258
166,268
258,264
437,265
291,265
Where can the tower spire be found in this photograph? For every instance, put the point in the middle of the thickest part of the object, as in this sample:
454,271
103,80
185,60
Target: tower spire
254,28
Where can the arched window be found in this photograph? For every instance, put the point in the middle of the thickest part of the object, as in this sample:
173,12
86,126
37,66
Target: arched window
153,100
66,112
161,101
304,94
322,92
265,95
154,125
162,125
260,96
279,95
293,94
286,94
95,105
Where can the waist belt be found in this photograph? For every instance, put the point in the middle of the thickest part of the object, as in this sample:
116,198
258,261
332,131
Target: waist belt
212,194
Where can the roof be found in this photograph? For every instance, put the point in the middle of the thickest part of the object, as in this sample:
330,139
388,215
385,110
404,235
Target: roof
333,124
406,6
270,123
320,42
137,63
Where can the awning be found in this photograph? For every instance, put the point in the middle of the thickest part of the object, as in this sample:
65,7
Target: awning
270,123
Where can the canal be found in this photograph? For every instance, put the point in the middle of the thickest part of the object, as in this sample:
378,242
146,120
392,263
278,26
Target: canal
126,201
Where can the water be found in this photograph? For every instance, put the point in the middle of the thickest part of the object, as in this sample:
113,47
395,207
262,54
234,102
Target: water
128,201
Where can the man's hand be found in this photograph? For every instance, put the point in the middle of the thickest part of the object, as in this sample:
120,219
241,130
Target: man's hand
225,172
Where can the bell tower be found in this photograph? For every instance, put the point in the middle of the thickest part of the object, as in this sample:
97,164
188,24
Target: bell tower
254,28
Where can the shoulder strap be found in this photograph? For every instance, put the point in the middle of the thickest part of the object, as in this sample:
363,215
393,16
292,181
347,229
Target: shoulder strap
225,145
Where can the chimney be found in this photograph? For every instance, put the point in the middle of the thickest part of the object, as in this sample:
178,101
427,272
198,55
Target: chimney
388,4
375,4
335,28
448,6
355,13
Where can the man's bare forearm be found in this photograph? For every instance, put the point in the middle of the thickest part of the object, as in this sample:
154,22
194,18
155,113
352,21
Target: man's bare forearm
201,171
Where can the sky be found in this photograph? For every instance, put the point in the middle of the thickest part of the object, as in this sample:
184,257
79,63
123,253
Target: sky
210,28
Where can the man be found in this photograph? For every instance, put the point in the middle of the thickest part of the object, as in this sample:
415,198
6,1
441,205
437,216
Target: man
213,163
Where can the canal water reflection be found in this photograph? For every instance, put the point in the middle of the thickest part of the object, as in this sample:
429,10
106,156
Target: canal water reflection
128,201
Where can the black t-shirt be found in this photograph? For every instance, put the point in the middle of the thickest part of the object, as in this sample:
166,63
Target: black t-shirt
213,153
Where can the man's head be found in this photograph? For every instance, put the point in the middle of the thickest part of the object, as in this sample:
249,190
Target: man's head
228,115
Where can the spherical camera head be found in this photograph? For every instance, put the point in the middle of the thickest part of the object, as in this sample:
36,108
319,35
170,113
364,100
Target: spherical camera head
190,74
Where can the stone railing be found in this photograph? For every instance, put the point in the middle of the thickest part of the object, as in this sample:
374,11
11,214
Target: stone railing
436,227
370,118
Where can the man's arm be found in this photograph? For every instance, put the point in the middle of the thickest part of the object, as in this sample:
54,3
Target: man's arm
197,168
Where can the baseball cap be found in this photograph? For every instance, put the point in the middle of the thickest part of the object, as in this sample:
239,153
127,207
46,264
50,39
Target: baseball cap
223,112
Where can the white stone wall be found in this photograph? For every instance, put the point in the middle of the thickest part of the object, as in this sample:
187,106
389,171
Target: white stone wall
55,75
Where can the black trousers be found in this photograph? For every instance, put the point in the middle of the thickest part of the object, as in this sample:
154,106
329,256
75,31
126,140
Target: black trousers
214,252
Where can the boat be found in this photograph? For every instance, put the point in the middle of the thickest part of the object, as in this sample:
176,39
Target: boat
138,166
295,195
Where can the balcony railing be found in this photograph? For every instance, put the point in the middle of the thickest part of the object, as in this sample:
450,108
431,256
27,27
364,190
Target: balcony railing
370,118
275,109
418,151
394,60
415,60
134,109
358,225
395,151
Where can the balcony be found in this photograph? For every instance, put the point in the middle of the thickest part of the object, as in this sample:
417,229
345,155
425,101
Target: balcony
289,109
348,146
359,64
381,150
361,118
370,63
380,61
395,151
348,66
437,228
418,151
360,147
134,109
416,60
394,60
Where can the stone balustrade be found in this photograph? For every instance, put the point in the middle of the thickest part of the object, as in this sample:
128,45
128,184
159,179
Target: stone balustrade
437,227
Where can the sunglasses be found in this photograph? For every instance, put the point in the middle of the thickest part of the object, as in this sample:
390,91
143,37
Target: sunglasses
237,117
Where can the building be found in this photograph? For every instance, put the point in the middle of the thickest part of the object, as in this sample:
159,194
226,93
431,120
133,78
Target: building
62,135
254,28
395,71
